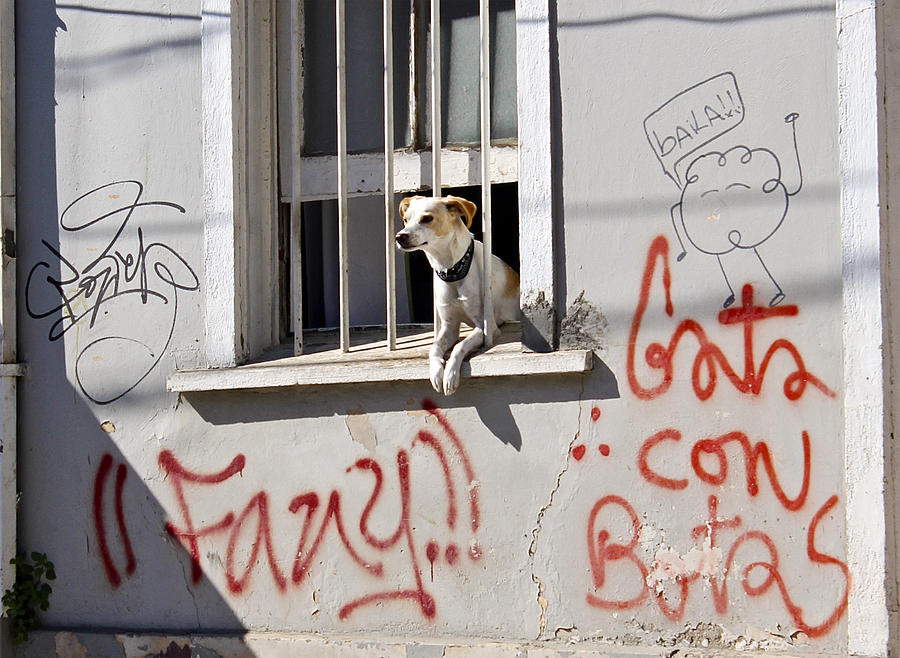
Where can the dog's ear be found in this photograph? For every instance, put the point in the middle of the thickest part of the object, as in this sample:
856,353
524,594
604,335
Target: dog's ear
404,206
463,206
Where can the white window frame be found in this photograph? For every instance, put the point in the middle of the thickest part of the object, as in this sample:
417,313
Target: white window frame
341,177
241,199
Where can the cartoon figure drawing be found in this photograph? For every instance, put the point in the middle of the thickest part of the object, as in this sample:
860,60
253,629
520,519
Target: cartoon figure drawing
732,199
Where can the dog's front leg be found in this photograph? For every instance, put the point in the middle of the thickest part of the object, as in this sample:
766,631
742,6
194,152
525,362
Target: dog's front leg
447,336
463,349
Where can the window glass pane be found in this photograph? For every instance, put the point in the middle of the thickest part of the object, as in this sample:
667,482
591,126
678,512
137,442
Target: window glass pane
321,265
364,56
460,64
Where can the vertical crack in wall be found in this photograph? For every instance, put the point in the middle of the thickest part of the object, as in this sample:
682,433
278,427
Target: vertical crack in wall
532,548
190,590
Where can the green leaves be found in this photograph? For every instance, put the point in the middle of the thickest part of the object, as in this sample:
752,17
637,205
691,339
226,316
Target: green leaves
29,593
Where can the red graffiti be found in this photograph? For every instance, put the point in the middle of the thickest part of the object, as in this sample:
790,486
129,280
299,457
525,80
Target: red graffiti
112,572
602,552
578,452
753,454
648,473
615,555
190,535
259,505
474,509
710,358
426,601
253,525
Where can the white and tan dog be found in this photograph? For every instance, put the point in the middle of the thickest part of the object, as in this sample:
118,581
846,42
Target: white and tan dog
440,228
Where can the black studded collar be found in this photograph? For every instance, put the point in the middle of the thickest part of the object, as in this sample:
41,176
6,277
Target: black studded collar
460,269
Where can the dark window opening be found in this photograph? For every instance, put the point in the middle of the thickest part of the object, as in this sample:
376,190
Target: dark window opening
505,230
414,298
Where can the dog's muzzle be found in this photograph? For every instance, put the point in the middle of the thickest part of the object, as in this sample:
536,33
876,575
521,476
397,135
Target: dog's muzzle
404,240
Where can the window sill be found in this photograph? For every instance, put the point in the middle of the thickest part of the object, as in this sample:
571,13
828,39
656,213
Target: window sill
371,361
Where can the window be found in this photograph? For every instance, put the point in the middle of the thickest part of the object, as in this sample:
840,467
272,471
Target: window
411,134
291,46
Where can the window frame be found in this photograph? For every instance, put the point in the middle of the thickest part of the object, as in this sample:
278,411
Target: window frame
241,195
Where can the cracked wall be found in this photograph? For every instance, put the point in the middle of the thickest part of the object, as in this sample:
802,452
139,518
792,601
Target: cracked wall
686,493
707,502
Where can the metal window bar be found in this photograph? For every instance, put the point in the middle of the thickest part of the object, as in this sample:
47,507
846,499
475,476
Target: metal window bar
485,48
389,253
436,137
296,248
342,175
342,160
436,115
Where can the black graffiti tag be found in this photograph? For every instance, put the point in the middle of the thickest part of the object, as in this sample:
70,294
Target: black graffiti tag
125,281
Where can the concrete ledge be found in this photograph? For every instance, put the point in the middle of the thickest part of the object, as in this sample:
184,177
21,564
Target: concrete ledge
279,645
298,371
370,360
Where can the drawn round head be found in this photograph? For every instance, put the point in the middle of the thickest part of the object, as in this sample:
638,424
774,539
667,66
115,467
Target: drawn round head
733,200
431,220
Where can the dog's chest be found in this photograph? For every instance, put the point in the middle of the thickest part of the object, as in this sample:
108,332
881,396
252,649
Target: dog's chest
460,302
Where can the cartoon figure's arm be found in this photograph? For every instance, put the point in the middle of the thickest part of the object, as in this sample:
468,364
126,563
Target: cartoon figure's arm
675,226
792,119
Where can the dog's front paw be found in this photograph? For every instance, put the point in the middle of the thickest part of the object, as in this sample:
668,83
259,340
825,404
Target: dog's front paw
451,379
437,375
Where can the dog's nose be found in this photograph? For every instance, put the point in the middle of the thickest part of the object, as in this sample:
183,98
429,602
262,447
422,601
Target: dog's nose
402,239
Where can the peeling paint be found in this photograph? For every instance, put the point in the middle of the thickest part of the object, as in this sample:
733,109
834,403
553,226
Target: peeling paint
68,646
583,326
704,635
668,565
429,419
155,646
361,429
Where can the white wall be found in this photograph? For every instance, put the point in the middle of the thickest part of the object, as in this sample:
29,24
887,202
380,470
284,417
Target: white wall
566,508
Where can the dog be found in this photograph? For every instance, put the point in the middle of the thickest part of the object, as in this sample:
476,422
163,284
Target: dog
440,228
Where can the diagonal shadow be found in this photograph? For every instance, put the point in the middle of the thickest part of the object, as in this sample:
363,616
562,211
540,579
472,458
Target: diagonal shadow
81,500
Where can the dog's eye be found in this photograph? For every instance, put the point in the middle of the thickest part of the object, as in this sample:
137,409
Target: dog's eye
425,219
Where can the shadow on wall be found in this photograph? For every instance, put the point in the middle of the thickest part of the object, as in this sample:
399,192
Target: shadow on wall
81,502
493,400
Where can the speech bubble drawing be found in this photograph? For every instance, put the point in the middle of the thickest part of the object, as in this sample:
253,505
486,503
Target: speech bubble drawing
693,118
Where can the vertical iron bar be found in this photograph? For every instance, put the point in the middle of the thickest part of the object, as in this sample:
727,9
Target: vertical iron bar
436,138
296,249
436,115
485,47
342,174
390,275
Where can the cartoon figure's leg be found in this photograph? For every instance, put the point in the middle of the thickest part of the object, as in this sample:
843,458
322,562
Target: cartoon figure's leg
779,295
730,299
675,226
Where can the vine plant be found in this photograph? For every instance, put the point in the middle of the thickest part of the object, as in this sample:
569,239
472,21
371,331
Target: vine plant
28,593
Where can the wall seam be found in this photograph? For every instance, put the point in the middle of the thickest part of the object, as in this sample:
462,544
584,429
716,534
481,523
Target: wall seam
863,399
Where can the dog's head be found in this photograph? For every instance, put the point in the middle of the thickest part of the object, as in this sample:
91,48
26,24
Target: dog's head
427,221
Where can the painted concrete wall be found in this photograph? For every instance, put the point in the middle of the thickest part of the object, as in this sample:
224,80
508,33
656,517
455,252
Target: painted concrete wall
724,331
690,490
